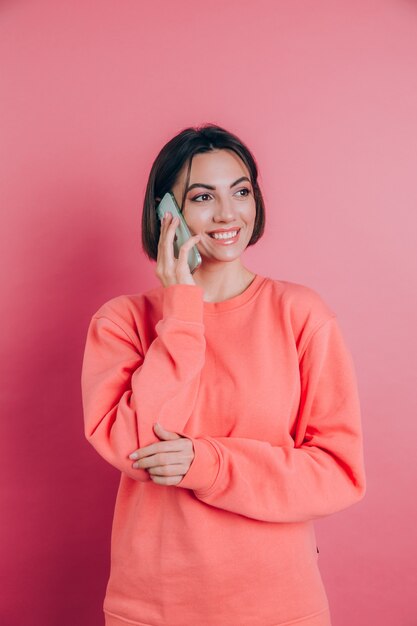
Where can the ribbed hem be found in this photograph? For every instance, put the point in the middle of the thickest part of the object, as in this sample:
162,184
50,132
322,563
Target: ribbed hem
242,299
114,620
204,468
321,618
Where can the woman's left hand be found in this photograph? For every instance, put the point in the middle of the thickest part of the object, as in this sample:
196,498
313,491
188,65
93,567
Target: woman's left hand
166,461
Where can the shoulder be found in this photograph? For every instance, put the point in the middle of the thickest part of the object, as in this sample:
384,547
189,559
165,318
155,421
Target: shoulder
300,306
299,299
128,304
131,311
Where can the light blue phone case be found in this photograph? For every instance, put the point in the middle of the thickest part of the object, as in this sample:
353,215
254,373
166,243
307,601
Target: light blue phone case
169,204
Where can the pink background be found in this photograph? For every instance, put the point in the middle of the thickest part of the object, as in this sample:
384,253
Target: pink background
325,95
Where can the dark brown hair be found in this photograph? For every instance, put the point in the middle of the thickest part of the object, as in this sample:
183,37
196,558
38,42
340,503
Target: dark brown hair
169,163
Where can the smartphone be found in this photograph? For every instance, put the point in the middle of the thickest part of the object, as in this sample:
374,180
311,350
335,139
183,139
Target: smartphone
168,203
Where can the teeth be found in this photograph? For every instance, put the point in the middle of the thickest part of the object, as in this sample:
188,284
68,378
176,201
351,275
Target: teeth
229,235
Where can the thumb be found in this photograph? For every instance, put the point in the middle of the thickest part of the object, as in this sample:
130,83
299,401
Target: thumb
164,434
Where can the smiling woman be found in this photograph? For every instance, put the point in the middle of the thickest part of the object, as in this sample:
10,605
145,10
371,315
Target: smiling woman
224,219
228,401
214,179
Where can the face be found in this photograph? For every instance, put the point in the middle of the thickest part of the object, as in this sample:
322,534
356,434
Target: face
217,202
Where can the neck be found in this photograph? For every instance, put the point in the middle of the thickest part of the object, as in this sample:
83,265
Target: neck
221,283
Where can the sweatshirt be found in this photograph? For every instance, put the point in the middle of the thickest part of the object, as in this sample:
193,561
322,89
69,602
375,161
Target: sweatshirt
264,386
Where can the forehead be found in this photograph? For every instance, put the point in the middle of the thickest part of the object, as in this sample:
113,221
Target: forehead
221,166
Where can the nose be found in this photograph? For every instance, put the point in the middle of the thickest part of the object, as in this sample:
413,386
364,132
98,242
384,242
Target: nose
225,210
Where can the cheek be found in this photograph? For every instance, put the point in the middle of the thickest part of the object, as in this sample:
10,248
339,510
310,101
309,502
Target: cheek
249,214
197,220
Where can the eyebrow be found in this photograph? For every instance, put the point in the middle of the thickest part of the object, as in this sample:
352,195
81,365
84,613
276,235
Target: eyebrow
239,180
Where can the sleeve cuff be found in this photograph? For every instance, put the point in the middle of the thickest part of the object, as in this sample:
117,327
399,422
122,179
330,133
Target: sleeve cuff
184,302
204,468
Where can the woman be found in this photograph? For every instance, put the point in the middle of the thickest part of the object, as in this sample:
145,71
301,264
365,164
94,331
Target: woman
228,401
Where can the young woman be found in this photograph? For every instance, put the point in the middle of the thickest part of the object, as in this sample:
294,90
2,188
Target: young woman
228,401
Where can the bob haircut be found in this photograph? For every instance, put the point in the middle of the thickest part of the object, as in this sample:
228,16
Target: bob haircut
169,163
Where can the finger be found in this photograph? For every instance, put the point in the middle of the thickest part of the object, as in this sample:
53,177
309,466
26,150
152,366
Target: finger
164,225
165,243
164,459
191,242
167,470
170,232
165,435
166,220
170,445
167,480
173,225
161,459
186,247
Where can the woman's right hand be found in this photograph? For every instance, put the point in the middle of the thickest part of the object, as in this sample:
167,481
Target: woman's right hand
172,271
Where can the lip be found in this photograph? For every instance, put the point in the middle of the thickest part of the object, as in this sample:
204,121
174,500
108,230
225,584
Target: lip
226,242
224,230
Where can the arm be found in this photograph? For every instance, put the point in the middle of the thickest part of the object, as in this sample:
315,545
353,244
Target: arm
323,472
125,391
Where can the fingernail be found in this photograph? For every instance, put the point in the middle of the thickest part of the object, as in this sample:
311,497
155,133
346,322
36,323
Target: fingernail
134,455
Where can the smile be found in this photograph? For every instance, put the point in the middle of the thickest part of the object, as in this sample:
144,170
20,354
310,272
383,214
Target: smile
225,238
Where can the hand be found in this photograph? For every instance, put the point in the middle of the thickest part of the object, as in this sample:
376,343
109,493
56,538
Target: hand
172,271
167,461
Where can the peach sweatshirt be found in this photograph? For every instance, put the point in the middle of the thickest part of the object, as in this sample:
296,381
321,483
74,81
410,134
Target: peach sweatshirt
264,386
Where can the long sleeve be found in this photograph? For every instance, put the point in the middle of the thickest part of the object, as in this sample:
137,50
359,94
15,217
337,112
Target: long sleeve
126,389
321,473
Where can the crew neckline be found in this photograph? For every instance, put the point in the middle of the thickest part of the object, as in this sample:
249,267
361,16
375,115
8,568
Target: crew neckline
211,308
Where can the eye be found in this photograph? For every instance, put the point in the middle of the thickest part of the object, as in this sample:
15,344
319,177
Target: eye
200,196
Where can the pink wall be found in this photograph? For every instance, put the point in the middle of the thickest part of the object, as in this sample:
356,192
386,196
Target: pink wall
325,94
